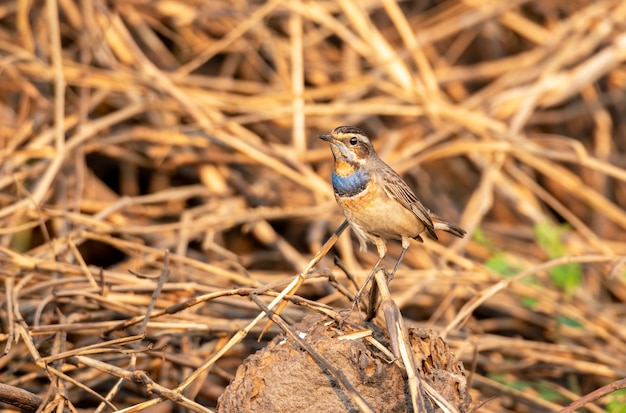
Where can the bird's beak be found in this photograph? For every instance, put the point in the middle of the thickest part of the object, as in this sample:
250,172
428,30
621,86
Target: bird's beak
327,138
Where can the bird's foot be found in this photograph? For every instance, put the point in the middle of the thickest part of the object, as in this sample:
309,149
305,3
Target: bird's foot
356,303
345,315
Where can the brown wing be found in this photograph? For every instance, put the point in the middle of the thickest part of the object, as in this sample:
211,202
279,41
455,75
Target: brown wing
396,188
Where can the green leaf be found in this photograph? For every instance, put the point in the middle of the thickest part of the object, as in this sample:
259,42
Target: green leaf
547,393
617,401
544,391
567,277
529,302
499,263
549,239
480,237
570,322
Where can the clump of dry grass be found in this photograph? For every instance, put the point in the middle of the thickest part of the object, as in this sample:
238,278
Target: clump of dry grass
131,129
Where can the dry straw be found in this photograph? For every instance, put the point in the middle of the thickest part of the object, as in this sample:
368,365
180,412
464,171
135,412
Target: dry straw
162,186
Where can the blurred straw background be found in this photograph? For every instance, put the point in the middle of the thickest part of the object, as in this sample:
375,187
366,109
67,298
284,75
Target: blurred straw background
132,128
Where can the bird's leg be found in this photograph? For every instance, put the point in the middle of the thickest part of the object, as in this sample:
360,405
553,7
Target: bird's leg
371,308
382,251
395,267
359,293
405,246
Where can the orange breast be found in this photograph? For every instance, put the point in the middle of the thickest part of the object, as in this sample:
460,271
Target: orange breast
378,214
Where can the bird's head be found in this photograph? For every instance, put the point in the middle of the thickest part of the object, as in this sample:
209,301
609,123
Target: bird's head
349,144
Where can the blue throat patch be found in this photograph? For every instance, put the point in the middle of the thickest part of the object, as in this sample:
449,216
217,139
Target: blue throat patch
352,184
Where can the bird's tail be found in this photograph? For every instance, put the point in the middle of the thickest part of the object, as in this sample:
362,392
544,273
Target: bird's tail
444,225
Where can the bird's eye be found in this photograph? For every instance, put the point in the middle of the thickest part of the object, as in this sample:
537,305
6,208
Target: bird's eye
353,140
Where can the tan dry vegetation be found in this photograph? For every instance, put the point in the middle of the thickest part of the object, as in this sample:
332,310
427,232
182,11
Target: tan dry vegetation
132,128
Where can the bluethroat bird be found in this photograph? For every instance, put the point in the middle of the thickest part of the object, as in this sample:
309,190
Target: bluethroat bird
377,203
